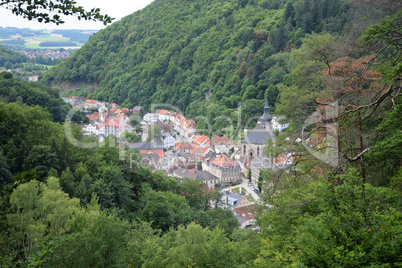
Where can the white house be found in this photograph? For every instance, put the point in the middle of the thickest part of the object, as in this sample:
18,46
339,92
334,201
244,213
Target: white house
280,122
222,144
163,115
151,118
102,108
221,148
90,128
169,142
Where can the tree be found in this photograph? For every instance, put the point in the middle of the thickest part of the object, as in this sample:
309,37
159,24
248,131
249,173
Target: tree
5,174
154,132
183,214
217,217
357,228
42,159
113,190
384,156
34,10
157,211
190,249
131,137
40,211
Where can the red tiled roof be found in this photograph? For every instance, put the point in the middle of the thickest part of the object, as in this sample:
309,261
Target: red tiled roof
200,139
195,149
94,116
224,161
91,101
282,158
163,111
222,140
115,110
158,152
203,151
184,146
205,148
246,211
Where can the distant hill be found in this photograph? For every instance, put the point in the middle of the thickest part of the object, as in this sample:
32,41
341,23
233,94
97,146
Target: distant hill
7,55
203,56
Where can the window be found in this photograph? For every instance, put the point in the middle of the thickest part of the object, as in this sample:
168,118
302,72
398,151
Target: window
258,151
244,149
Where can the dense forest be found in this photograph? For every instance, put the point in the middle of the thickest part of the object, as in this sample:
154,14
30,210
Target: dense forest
332,67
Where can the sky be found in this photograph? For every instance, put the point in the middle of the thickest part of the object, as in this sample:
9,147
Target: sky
115,8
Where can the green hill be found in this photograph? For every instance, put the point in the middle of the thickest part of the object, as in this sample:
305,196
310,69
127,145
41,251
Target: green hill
202,56
7,55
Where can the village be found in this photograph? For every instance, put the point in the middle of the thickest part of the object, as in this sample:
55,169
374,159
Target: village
52,54
168,141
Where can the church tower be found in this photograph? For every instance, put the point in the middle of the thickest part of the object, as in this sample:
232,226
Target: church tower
253,144
265,120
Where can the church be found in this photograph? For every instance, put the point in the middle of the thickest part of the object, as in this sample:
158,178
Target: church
253,144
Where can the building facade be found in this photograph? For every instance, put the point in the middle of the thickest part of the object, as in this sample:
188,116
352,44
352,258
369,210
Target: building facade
225,169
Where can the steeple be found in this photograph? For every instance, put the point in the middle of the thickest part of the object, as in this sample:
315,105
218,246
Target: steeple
266,118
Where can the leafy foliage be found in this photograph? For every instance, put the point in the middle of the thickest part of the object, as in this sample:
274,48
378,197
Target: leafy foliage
30,10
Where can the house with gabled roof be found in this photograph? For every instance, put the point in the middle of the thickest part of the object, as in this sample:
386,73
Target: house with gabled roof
186,147
152,158
204,152
137,109
222,144
230,200
201,140
90,104
162,114
245,215
208,178
169,142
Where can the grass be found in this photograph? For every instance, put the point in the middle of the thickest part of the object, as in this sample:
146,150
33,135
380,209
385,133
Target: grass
32,45
36,46
249,198
48,66
236,190
52,39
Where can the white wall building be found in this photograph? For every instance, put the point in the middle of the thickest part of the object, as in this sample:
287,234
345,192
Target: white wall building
90,128
169,142
151,118
280,123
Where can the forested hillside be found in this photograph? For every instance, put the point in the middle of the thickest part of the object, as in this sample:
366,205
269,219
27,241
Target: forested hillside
203,56
7,55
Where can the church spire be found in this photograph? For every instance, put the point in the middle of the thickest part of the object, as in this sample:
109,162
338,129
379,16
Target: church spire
266,117
266,103
266,114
